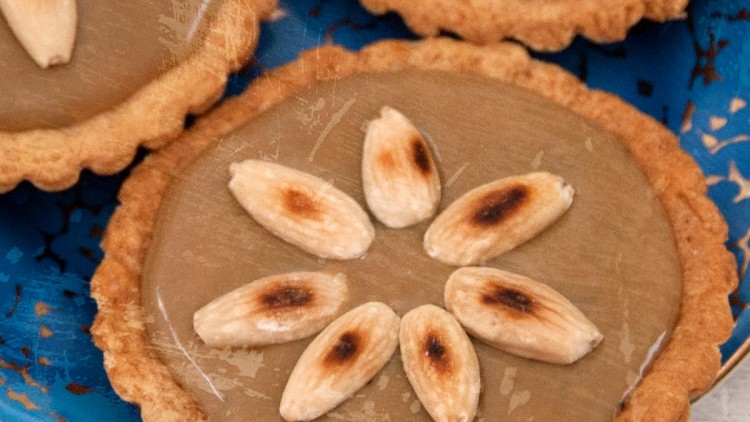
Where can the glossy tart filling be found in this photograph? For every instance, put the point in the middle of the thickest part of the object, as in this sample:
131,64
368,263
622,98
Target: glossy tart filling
612,254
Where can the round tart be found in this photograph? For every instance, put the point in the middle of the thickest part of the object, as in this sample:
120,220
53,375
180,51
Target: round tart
542,25
640,252
137,69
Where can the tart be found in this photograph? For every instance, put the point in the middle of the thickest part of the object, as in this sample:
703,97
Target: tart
640,252
541,25
169,59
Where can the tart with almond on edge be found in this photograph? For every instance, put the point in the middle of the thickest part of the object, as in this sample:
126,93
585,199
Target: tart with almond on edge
641,238
137,70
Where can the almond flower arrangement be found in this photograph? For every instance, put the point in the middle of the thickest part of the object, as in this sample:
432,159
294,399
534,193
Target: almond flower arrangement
402,187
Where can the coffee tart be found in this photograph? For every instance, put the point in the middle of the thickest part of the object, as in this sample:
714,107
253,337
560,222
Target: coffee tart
103,78
541,25
639,252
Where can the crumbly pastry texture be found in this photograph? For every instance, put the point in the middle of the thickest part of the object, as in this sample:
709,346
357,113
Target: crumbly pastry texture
689,360
540,24
52,159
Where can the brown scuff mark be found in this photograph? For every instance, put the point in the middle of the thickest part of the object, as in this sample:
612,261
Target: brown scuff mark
69,294
509,299
497,206
85,329
299,203
88,254
26,350
41,309
44,361
57,417
287,297
2,381
346,348
45,332
78,389
24,372
96,231
15,302
687,117
708,56
354,25
742,15
23,399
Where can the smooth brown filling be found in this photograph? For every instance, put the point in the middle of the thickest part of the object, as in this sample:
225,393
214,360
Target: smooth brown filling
120,47
612,254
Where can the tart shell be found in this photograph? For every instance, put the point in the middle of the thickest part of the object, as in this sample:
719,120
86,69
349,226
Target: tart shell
52,159
541,25
685,367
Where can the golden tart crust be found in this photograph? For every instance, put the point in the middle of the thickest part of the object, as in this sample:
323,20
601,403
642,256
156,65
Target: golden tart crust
687,364
105,143
541,25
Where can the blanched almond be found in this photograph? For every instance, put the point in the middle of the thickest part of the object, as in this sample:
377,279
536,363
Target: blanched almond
340,361
302,209
45,28
274,309
399,176
441,363
519,315
496,217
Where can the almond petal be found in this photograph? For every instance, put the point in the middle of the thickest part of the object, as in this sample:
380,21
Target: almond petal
399,175
519,315
441,363
45,28
496,217
272,310
340,361
302,209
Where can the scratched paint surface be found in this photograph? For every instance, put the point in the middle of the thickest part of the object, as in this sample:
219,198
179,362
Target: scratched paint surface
693,75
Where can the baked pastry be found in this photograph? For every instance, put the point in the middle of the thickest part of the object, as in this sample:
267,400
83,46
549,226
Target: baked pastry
541,25
138,69
641,251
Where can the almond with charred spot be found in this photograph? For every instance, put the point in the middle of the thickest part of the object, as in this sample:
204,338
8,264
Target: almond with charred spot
340,361
519,315
302,209
45,28
441,363
275,309
399,176
495,218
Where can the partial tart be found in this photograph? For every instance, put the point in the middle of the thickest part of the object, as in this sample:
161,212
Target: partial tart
640,252
138,69
542,25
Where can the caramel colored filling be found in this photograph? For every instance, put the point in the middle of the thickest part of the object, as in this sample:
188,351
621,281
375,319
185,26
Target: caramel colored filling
612,254
120,46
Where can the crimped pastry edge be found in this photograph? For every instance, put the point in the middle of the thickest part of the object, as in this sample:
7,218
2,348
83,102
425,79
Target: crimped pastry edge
687,363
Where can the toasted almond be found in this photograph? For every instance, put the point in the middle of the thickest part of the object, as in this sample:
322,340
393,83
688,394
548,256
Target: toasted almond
399,176
302,209
45,28
340,361
519,315
275,309
495,218
441,363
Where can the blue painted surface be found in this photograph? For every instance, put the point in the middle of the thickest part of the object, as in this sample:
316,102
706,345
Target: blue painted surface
49,241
